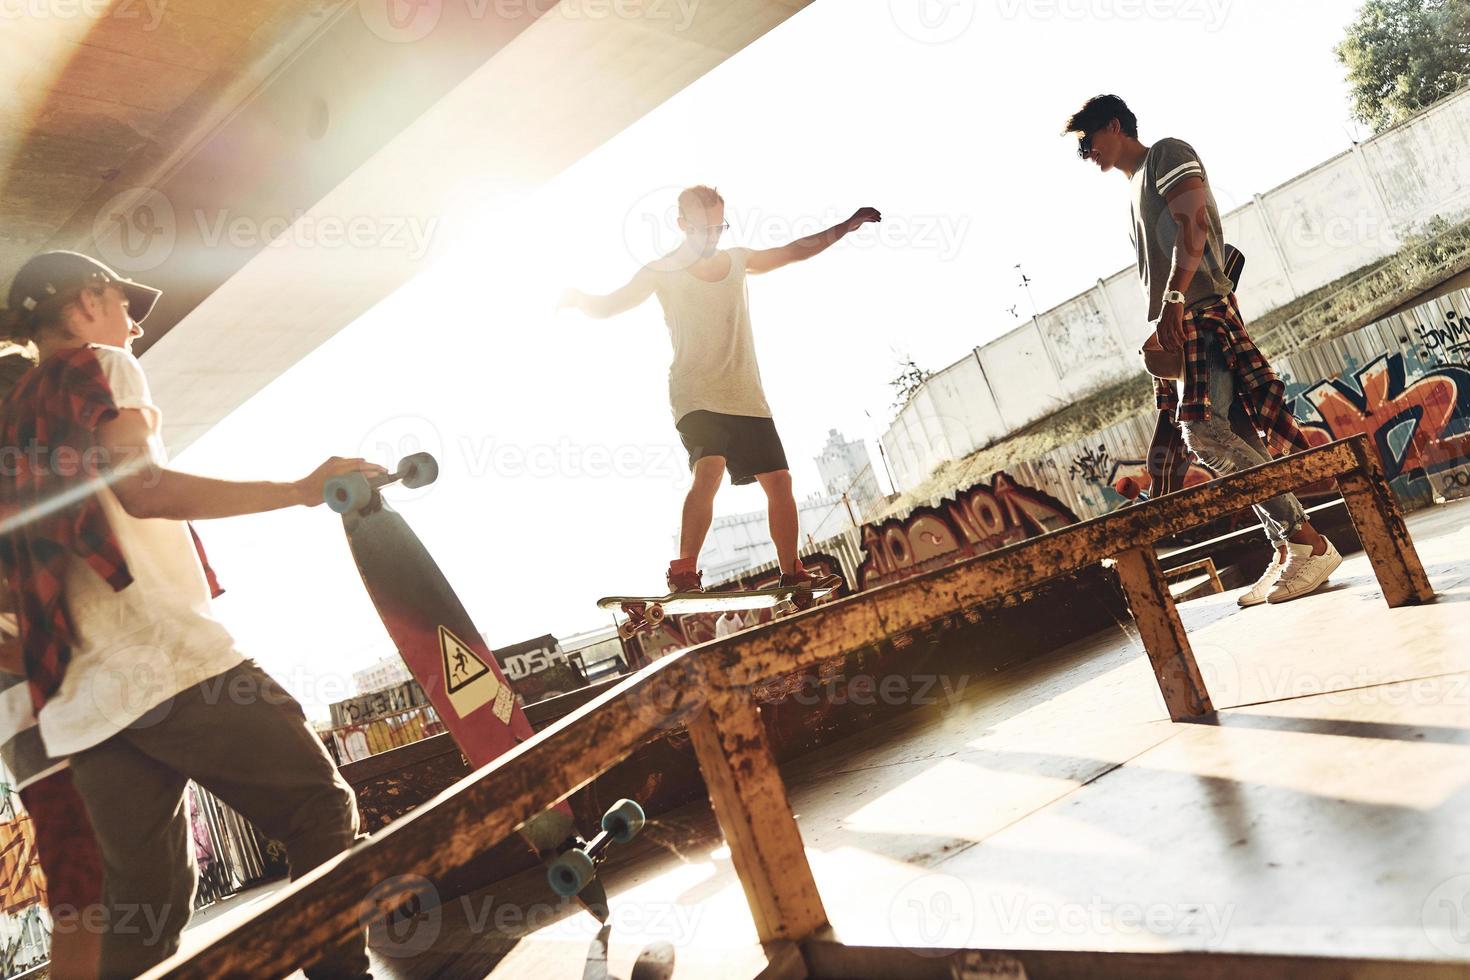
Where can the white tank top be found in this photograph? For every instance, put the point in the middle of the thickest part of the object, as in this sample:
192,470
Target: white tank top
714,366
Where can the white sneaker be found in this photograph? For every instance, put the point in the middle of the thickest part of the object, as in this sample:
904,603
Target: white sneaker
1304,572
1264,584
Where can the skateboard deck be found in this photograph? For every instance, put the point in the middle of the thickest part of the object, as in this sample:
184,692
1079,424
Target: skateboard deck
682,603
442,648
647,612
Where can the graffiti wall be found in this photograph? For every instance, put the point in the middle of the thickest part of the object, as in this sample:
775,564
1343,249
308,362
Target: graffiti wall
982,518
1405,381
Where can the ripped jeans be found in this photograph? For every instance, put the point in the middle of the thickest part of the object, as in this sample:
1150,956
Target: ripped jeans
1226,448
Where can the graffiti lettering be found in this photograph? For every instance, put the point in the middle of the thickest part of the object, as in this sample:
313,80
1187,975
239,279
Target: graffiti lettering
983,518
1419,427
1449,342
1090,465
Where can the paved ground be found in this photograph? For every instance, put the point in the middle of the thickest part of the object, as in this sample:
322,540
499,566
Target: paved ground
1054,805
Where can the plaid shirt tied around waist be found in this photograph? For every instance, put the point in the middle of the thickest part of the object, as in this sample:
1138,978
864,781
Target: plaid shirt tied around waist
1261,392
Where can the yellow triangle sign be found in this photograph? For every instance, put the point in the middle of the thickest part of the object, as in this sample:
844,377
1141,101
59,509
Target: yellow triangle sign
468,680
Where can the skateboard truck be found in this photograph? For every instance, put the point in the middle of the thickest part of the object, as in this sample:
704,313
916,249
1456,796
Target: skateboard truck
354,491
570,872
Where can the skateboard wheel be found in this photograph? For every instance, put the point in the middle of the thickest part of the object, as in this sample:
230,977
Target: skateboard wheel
419,470
570,873
623,820
344,494
655,614
627,629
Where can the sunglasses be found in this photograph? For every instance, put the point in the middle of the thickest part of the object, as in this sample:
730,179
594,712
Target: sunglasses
1084,146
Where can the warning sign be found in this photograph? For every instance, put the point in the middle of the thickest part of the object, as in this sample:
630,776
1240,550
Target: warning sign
468,680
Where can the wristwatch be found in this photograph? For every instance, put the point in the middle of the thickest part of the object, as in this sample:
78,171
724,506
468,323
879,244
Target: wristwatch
1173,296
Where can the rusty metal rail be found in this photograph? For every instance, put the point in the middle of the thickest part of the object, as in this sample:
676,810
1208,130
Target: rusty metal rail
707,689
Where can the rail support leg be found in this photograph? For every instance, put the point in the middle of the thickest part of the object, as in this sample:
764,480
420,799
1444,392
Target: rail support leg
1162,632
755,816
1382,530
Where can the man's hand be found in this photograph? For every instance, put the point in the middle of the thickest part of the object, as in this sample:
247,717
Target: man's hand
571,299
861,217
1171,327
311,488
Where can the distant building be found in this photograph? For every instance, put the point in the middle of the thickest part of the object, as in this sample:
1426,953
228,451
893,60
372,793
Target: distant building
385,673
846,467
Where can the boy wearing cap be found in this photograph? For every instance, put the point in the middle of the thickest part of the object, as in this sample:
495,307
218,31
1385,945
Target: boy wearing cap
1227,395
132,676
715,388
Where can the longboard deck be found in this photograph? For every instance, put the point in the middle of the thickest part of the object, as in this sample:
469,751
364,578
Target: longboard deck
451,661
683,603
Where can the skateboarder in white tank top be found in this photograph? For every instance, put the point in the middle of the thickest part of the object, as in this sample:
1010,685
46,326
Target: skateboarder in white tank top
715,388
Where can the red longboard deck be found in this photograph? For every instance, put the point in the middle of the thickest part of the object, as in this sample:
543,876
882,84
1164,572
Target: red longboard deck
451,661
435,636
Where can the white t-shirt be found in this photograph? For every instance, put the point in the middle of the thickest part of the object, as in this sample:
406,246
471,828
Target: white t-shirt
20,740
714,366
136,648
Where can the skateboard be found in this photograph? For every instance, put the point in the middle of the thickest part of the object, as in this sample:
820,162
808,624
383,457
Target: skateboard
452,663
647,612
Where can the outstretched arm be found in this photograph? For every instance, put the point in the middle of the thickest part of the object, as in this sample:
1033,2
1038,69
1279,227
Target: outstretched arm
149,491
638,289
764,260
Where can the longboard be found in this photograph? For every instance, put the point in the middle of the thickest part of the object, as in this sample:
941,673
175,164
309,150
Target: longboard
646,612
452,663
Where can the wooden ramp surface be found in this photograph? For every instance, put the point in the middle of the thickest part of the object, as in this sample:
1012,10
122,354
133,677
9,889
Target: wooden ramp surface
1054,805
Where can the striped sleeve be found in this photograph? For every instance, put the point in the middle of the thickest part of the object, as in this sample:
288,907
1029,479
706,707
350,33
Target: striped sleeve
1176,161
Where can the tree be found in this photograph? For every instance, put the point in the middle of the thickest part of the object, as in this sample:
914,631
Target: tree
910,379
1403,55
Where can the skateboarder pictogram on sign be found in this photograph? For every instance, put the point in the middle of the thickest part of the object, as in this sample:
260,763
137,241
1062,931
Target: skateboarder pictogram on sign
468,680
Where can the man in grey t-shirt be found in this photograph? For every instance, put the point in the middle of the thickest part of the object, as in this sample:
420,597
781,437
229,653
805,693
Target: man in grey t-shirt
715,388
1227,396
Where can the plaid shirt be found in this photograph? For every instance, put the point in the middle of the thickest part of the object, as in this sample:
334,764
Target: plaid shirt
48,426
1260,391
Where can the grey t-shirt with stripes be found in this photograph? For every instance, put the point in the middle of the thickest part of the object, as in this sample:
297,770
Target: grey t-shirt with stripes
1155,232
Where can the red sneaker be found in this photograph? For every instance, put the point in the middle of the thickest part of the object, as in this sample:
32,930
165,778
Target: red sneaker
806,580
685,580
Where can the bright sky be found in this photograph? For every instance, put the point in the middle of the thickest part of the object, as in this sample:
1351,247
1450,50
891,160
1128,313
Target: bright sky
562,476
